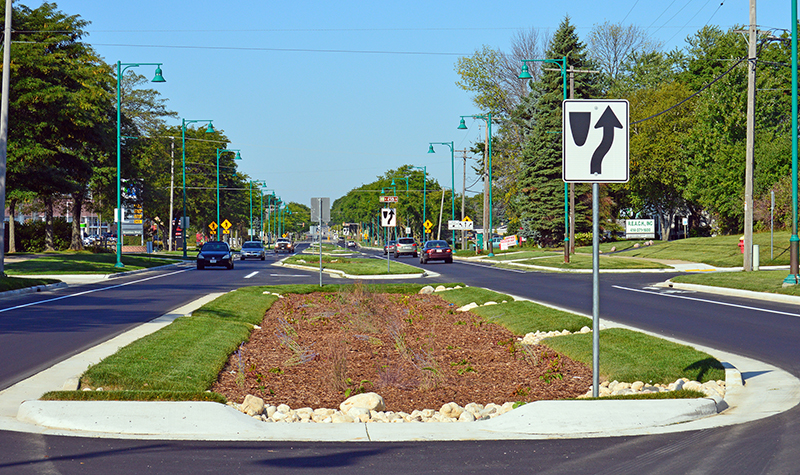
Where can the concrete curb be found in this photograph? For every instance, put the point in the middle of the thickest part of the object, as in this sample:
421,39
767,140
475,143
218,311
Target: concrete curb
31,290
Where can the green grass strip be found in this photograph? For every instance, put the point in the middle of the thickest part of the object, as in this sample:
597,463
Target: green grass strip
522,317
762,281
465,295
82,262
630,356
679,394
246,305
133,396
186,355
355,266
582,261
16,283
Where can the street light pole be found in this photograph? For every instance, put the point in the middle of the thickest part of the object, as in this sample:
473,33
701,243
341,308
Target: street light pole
794,242
424,197
525,74
209,130
487,184
158,78
238,157
258,182
452,183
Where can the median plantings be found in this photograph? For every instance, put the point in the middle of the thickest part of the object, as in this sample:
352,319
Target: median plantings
315,347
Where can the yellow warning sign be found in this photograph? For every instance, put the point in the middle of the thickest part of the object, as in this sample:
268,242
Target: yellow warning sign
226,225
213,226
466,218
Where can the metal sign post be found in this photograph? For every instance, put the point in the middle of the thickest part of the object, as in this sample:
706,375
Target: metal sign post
320,211
595,151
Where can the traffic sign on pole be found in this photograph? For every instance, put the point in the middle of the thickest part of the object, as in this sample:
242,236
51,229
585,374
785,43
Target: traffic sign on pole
388,217
388,199
595,141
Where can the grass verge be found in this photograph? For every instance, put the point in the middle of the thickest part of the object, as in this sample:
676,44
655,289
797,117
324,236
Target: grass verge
627,355
132,396
581,261
82,262
523,317
355,266
16,283
762,281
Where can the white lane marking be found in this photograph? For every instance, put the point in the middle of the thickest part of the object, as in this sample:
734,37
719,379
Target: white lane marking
288,275
745,307
90,291
250,275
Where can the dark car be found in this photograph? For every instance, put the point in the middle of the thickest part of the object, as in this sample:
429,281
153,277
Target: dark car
284,245
253,249
436,251
405,245
389,247
215,253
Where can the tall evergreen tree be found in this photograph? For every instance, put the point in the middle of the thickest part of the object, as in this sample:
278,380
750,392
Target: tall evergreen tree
540,202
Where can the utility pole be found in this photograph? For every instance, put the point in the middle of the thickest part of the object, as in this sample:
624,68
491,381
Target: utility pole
750,145
4,128
748,173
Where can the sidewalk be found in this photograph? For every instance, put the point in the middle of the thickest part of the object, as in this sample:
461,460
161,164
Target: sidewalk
766,391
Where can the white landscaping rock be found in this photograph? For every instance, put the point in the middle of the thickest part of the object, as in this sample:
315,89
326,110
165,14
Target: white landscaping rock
440,288
369,401
467,307
427,290
252,405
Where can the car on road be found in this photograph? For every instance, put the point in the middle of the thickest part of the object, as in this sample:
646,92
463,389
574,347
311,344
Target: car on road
389,247
405,245
436,251
284,245
253,249
351,244
215,253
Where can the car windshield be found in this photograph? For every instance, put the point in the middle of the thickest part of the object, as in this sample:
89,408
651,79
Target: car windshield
251,245
215,246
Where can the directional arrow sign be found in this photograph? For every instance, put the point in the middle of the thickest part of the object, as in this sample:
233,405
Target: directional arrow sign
388,217
595,141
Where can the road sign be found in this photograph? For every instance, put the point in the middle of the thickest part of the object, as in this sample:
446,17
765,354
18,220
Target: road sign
321,210
460,225
388,199
226,231
595,141
466,218
428,225
213,226
226,225
388,217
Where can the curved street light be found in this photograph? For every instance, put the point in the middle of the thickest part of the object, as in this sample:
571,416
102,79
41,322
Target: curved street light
260,183
487,184
157,78
209,130
237,157
452,183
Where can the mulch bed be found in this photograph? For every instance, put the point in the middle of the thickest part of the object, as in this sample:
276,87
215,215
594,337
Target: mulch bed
414,350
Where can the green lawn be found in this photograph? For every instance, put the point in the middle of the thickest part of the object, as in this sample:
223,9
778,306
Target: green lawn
583,261
523,317
16,283
720,251
465,295
355,265
82,262
761,281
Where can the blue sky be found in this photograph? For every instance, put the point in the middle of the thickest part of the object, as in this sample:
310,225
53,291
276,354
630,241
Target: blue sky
322,97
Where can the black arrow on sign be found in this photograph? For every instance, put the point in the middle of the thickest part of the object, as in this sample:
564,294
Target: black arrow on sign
608,121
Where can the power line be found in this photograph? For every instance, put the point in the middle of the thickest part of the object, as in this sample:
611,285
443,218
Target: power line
287,50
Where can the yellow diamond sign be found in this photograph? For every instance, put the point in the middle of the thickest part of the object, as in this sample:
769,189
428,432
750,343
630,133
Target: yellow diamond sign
213,226
466,218
226,225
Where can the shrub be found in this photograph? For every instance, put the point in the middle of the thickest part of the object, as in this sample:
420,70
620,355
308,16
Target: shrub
30,235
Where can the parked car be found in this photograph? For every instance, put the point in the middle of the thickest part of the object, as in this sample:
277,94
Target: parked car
436,251
253,249
284,245
351,244
389,247
405,245
215,253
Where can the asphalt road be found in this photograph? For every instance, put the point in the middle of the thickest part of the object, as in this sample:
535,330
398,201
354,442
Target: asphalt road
36,336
